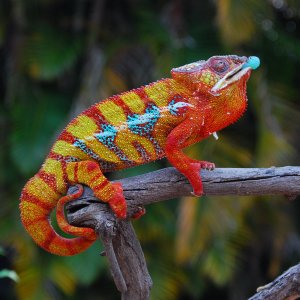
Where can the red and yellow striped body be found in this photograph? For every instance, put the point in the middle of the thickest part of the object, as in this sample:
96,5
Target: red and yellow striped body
127,130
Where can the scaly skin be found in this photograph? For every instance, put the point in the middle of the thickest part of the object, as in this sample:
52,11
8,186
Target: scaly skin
130,129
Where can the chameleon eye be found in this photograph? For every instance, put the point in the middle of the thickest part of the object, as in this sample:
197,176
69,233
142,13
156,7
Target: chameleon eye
220,65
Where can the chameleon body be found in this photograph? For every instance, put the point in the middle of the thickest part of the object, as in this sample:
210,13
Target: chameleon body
145,124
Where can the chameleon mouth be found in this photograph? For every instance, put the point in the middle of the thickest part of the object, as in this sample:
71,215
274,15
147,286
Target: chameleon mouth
252,63
233,76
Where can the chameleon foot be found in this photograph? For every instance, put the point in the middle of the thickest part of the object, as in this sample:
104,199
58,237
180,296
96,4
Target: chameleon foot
195,178
194,175
118,203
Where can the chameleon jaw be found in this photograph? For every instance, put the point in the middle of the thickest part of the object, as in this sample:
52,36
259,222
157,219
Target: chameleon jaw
230,78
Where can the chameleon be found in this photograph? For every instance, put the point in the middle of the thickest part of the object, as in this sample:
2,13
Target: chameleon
135,127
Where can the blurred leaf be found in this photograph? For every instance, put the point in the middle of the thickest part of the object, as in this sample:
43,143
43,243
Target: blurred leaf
233,14
48,53
85,267
37,117
167,281
291,5
151,31
219,262
186,224
2,251
63,278
273,147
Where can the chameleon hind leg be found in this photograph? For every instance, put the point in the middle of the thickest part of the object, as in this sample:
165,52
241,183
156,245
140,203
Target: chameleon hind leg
90,174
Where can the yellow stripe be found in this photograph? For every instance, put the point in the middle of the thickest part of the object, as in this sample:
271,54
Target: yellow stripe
82,127
113,113
134,102
66,149
106,193
43,191
57,246
82,175
40,230
158,93
125,143
101,150
31,211
53,167
100,178
71,171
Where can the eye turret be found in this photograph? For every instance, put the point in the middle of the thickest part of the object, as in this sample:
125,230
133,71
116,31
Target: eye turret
219,65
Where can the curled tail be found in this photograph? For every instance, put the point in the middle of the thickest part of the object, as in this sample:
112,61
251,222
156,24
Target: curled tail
38,199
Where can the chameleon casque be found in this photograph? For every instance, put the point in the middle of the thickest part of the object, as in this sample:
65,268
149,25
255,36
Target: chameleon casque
145,124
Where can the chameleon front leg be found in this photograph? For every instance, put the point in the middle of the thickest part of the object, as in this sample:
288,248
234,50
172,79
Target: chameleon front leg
90,174
178,139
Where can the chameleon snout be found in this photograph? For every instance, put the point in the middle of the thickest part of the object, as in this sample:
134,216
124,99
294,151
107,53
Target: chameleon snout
252,62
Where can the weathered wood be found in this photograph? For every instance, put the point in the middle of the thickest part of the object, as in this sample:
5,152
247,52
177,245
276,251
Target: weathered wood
169,183
121,246
284,287
127,263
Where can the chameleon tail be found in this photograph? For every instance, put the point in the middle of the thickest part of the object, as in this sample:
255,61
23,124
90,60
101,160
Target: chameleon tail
38,199
87,233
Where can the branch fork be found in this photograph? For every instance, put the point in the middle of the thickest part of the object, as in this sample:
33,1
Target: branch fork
122,248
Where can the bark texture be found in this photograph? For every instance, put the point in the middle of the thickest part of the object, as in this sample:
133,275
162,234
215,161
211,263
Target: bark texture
122,248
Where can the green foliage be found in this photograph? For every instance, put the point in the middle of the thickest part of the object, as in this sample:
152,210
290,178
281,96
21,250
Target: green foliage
88,263
29,136
233,14
194,248
168,280
49,53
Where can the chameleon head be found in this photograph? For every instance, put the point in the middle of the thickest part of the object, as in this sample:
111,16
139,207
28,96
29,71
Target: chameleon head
218,74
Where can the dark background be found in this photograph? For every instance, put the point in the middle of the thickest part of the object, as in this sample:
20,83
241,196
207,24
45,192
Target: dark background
59,57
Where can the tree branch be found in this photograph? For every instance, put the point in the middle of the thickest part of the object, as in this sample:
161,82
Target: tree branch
127,263
284,287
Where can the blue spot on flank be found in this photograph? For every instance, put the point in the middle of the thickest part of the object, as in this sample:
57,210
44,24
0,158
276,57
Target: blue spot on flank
144,124
105,165
82,146
107,138
108,134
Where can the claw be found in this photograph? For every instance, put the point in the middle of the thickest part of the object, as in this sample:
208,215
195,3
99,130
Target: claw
207,165
140,212
197,194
